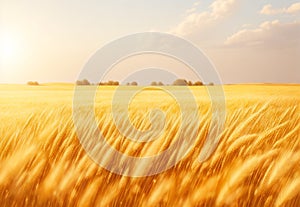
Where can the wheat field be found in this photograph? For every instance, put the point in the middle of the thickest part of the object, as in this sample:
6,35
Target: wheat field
256,162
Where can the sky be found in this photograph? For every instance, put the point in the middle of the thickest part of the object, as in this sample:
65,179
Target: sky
248,41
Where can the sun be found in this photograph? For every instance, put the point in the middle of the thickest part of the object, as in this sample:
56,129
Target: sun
10,47
12,52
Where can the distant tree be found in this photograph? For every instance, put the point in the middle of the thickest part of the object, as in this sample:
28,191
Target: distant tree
83,82
134,83
198,83
86,82
160,83
154,83
109,83
210,84
33,83
180,82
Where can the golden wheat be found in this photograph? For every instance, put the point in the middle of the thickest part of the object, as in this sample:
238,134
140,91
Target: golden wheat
255,164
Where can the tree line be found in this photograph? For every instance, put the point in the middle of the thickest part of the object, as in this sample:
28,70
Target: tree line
178,82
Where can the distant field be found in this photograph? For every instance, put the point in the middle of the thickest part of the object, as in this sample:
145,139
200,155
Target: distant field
256,162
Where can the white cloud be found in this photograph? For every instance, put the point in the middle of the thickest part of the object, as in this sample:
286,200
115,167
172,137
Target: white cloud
270,10
294,8
193,9
197,21
221,8
270,34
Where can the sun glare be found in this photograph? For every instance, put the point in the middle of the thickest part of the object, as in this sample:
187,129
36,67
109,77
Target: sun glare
9,48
